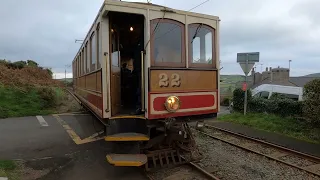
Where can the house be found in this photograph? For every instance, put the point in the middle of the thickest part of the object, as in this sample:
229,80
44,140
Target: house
277,76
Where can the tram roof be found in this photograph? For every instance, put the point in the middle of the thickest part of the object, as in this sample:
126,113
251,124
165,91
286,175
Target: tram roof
159,7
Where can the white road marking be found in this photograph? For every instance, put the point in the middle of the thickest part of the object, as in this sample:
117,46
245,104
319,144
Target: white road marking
3,178
42,121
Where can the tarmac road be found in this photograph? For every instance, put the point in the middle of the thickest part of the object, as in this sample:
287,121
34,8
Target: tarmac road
65,147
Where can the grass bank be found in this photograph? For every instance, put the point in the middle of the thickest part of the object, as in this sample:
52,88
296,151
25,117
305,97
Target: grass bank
9,169
16,102
272,123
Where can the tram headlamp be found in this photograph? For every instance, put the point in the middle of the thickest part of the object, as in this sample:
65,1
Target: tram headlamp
172,103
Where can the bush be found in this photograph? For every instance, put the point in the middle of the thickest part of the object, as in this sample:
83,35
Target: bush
283,107
278,105
48,96
238,99
225,101
278,96
311,107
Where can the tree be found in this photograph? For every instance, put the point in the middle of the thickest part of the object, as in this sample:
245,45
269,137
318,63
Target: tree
311,106
16,65
32,63
50,72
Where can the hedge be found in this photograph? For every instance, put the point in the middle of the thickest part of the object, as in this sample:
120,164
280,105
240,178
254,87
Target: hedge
238,99
280,106
311,107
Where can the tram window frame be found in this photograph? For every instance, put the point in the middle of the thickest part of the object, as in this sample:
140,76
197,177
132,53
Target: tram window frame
190,46
81,64
87,57
181,64
93,52
84,61
97,48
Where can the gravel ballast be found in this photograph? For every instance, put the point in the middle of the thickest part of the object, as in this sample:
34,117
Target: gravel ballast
229,162
183,172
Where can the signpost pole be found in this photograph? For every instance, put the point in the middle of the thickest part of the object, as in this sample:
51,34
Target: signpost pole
246,92
247,61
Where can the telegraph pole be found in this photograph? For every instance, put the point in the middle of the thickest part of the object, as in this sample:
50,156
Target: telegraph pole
65,73
246,90
289,66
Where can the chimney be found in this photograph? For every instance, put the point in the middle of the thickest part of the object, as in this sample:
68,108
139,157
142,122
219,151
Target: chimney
267,69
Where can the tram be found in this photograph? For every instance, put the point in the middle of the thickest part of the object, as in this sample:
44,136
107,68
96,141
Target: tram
146,71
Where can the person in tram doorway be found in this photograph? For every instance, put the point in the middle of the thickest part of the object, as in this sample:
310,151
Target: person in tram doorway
125,84
137,79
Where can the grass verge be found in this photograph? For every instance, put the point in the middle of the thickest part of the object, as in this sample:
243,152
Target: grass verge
9,169
15,102
272,123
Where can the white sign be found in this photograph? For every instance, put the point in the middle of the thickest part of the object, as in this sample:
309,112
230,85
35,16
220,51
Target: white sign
246,69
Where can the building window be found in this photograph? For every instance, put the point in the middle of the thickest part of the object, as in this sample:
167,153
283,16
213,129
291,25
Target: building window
201,46
93,51
98,43
167,43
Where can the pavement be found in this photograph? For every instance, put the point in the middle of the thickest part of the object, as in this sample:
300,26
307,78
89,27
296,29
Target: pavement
65,147
281,140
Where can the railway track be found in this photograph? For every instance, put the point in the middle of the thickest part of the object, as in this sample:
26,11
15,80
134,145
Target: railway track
301,161
187,171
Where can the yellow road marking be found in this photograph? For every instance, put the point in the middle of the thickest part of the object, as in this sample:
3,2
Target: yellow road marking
130,138
74,135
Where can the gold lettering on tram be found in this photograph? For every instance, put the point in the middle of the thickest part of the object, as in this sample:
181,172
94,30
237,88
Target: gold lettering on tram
164,80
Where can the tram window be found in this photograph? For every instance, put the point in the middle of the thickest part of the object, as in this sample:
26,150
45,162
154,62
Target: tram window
201,46
88,57
167,43
93,49
84,61
81,64
98,39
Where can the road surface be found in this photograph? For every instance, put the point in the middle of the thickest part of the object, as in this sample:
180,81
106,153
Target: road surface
65,147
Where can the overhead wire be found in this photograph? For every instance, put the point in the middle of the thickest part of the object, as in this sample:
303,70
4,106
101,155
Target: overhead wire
171,28
155,29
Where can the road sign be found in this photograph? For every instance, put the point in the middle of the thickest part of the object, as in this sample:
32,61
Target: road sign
244,86
251,56
246,61
246,67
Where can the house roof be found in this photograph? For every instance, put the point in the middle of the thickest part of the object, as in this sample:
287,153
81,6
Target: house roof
267,81
301,81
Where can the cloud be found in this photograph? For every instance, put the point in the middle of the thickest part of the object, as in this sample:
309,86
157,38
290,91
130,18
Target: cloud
280,30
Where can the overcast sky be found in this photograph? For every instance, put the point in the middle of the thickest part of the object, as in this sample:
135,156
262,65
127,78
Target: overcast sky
45,30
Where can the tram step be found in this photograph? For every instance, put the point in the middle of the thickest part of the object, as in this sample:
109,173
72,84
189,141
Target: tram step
127,137
127,159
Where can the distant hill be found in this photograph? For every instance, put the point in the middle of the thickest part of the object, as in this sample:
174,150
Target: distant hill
313,75
67,79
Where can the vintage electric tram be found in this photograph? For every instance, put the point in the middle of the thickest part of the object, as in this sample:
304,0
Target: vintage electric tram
145,71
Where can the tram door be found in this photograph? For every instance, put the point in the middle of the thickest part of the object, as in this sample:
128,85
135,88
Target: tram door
115,72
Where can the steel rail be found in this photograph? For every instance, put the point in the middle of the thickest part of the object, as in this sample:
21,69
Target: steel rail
314,159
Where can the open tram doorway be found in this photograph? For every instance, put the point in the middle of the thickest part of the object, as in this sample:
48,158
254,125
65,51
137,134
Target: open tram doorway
126,44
